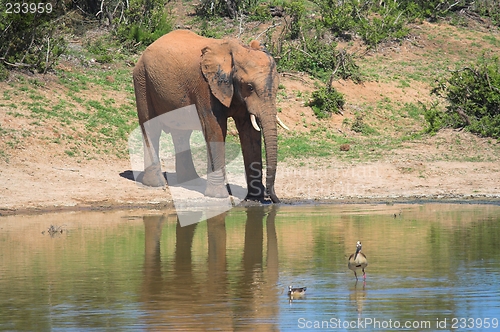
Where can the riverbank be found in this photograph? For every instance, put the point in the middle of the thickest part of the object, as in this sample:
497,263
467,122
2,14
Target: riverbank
36,185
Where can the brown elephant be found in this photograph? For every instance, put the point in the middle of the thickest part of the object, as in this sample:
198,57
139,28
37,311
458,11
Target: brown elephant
222,78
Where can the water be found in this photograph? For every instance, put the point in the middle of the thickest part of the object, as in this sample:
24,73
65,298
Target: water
431,267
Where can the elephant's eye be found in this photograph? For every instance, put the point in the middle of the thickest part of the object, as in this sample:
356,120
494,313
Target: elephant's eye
250,87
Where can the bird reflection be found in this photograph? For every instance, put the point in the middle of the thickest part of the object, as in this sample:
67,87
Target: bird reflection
358,296
184,293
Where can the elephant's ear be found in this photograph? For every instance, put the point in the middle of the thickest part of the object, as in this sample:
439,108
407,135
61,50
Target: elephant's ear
216,65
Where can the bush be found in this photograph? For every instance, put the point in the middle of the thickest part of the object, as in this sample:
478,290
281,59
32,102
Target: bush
311,55
389,22
297,11
434,117
142,25
225,8
435,9
101,49
326,101
30,40
473,96
316,57
488,8
261,13
211,28
4,73
359,126
338,16
374,21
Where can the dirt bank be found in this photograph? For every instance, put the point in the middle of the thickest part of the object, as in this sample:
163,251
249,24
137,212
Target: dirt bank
42,183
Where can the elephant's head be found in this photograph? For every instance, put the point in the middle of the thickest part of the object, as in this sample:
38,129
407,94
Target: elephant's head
245,79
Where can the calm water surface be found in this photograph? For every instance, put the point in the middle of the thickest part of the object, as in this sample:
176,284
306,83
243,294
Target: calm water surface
431,267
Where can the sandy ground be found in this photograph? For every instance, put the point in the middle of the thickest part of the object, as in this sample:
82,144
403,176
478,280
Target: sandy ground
34,186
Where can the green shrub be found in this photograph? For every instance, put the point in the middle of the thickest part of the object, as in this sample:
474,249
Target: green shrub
339,16
261,12
297,11
142,24
488,8
473,96
388,22
308,55
4,73
326,101
226,8
434,117
101,49
211,28
374,21
30,40
316,57
435,9
359,126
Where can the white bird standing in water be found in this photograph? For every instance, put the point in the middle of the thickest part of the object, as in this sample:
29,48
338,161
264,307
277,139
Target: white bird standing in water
358,261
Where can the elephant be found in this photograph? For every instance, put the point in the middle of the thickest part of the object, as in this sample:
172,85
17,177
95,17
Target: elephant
222,78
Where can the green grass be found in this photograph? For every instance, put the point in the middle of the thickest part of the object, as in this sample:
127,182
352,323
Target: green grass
4,156
305,146
324,145
88,99
492,40
93,110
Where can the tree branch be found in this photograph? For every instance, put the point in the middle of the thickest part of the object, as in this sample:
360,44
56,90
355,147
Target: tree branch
268,28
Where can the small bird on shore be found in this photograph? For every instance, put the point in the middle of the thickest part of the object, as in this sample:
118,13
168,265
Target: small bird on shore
296,292
358,261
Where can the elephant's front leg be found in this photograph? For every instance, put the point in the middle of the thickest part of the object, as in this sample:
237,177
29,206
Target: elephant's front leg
251,147
216,169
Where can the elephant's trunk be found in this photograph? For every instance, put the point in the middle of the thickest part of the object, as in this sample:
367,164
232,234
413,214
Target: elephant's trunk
270,134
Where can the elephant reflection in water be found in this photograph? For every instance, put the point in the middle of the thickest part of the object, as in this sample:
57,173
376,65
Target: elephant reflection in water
182,297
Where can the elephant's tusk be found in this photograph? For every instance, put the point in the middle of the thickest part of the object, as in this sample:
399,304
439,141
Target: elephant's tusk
281,123
254,122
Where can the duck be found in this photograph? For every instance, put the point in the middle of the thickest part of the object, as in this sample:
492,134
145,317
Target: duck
358,261
296,291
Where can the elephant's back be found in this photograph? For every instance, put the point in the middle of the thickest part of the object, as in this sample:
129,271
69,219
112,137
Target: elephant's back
182,42
170,67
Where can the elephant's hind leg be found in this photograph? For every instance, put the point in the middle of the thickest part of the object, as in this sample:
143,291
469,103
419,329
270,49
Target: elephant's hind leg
153,175
151,130
184,166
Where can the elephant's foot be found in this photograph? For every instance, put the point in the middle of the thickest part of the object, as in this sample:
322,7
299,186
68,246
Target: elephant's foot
217,191
153,176
255,198
256,191
263,197
272,195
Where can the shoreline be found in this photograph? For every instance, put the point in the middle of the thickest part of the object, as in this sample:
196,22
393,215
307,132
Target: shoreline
477,199
53,185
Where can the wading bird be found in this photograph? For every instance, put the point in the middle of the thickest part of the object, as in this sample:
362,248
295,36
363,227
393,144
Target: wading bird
295,292
358,261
